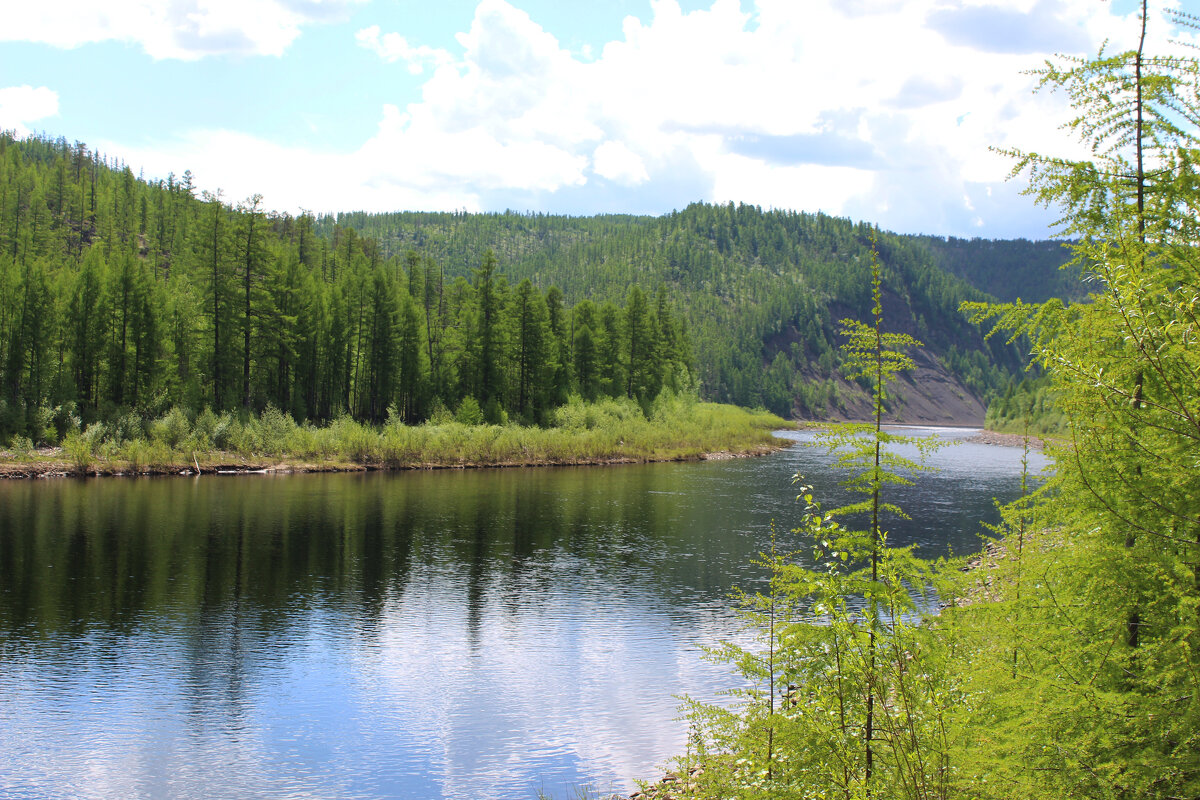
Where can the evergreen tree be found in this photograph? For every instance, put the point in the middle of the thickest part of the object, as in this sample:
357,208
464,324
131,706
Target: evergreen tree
488,333
85,323
410,355
252,257
851,707
1125,494
531,349
609,365
212,254
380,347
560,347
640,345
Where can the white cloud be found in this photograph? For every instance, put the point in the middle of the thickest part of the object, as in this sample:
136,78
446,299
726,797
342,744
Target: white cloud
289,178
394,47
793,105
811,187
21,105
179,29
885,112
615,161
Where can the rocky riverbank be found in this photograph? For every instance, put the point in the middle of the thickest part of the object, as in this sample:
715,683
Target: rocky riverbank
1007,439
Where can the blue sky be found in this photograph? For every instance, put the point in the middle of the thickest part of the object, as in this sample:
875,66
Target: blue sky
881,110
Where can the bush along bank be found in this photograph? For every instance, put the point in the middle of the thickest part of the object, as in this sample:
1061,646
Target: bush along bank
673,427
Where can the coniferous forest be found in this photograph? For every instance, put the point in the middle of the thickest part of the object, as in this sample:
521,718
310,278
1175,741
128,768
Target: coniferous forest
119,293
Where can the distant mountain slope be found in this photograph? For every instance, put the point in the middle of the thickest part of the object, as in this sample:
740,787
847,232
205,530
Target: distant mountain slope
762,291
1010,269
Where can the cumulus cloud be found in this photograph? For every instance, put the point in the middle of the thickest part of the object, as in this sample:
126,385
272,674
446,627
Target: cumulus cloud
883,111
1002,29
394,47
21,105
615,161
178,29
789,105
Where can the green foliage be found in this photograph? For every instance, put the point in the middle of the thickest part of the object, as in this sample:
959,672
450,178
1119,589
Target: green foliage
841,700
78,449
469,412
609,430
1026,407
748,284
1119,592
21,448
220,305
1035,271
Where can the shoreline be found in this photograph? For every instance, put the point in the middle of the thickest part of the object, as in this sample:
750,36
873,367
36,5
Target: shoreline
984,435
999,439
47,463
13,469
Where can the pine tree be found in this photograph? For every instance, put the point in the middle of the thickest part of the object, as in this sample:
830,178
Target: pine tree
560,349
862,713
252,255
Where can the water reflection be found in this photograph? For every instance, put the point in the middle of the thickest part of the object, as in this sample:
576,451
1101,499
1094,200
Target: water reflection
452,634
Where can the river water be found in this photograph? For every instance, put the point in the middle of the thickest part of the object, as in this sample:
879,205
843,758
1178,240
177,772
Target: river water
451,634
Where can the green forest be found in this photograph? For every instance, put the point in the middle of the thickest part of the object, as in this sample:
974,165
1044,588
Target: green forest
120,293
761,291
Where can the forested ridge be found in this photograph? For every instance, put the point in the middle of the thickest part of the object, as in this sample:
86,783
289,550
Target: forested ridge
762,291
118,292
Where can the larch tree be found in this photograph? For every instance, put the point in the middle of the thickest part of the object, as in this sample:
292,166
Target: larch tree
1125,368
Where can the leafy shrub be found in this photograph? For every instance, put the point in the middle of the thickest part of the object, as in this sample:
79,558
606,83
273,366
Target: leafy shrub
41,425
78,449
172,429
440,414
94,435
125,428
21,448
354,441
274,430
224,431
469,412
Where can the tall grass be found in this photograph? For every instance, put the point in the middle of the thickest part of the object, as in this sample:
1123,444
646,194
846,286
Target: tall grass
672,427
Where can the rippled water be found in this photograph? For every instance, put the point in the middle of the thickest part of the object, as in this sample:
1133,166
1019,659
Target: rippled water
460,634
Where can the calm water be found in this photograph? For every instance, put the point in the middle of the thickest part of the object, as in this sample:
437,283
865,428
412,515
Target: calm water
461,634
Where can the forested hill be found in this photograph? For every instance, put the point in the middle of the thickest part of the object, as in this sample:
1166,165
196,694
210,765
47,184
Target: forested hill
1033,271
762,291
117,292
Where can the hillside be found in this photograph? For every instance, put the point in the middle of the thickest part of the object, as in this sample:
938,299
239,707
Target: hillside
122,293
1015,269
762,292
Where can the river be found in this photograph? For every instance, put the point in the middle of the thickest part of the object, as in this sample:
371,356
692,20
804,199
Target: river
449,634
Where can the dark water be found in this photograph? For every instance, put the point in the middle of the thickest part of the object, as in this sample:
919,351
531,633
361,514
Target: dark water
477,634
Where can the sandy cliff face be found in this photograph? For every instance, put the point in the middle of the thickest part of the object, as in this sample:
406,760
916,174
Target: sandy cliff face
929,394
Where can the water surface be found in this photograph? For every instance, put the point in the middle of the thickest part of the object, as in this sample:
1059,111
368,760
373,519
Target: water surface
453,634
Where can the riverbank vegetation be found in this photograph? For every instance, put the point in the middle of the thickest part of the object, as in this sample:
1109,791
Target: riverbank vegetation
1027,407
1064,660
676,427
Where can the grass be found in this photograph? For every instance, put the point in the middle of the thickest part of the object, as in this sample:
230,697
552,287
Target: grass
608,431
